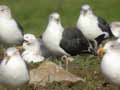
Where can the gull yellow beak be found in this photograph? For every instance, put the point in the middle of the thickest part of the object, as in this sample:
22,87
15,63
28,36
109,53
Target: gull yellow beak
100,52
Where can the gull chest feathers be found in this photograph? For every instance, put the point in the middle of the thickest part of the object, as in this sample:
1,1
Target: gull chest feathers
89,26
11,32
9,28
53,34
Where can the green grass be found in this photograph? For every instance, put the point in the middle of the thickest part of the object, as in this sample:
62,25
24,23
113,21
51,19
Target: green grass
33,16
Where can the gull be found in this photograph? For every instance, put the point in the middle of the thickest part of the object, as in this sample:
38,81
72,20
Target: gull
31,46
13,70
11,32
93,27
110,64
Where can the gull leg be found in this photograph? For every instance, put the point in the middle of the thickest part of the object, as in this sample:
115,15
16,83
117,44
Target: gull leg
59,62
95,46
67,62
64,58
67,59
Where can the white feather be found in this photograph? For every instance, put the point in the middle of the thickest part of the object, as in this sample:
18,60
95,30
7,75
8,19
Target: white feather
9,31
89,26
52,37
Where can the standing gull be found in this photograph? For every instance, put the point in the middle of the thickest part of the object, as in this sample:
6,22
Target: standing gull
64,42
11,33
32,52
93,27
13,70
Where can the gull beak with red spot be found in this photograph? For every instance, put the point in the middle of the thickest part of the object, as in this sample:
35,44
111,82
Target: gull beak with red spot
101,52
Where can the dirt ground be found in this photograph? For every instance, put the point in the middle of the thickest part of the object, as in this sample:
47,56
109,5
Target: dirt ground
85,67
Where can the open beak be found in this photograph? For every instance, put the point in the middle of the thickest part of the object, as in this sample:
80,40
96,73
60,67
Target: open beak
25,41
101,52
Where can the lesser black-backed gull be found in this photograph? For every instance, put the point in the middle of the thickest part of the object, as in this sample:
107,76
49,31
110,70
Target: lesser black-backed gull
93,27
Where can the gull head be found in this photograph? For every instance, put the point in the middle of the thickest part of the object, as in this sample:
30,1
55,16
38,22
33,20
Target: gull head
30,42
5,11
110,46
54,17
86,9
29,39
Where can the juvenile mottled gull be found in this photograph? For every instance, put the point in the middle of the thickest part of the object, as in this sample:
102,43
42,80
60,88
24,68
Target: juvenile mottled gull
32,51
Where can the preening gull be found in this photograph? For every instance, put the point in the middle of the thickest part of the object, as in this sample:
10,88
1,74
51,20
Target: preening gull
93,27
110,65
11,32
13,70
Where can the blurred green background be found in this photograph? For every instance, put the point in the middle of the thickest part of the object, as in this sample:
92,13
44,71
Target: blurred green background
33,14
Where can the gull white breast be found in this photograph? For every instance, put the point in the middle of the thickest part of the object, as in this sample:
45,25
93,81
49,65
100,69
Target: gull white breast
93,27
11,33
53,35
110,65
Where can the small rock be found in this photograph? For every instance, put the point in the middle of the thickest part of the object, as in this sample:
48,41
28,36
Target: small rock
48,72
